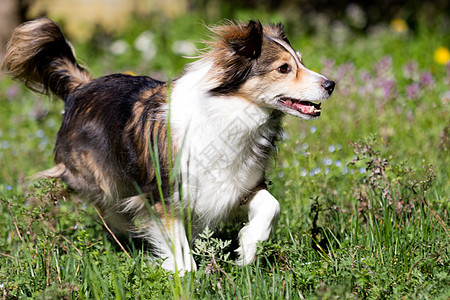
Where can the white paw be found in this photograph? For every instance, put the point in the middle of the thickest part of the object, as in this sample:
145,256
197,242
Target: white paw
181,267
247,249
246,257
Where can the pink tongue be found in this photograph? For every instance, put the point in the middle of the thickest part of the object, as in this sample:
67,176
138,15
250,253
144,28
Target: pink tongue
306,109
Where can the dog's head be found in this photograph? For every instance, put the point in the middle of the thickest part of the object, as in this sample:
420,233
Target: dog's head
258,63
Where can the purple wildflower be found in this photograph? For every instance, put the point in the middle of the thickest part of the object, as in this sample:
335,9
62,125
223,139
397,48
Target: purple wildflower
12,91
328,66
426,79
346,69
345,73
367,88
383,67
412,91
387,87
410,70
365,76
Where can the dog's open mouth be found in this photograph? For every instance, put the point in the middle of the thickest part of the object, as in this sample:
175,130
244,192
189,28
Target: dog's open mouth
304,107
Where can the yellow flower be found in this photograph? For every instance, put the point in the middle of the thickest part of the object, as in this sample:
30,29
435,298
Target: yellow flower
128,72
442,55
399,25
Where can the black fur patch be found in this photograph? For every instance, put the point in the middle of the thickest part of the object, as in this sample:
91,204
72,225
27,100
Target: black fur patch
100,121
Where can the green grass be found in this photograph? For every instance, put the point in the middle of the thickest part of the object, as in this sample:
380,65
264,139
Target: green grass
366,224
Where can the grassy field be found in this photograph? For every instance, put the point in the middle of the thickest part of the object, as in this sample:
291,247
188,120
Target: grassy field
363,190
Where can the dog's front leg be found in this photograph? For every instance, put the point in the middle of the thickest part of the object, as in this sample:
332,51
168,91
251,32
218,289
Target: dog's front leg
263,210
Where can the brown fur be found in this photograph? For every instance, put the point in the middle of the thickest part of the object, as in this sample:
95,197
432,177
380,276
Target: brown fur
31,47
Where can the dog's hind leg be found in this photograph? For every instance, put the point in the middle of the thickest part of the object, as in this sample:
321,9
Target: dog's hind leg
263,210
175,247
167,235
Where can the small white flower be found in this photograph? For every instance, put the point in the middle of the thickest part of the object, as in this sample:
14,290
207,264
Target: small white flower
284,135
314,171
185,48
313,129
40,133
51,123
144,44
327,161
303,173
345,171
13,133
331,148
144,41
44,142
119,47
445,97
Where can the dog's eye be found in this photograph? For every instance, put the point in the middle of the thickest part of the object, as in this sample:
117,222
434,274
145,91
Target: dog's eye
284,69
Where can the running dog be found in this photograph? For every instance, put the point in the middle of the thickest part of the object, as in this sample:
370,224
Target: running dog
155,156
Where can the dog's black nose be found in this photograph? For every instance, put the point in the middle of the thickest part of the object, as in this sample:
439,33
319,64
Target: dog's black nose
329,86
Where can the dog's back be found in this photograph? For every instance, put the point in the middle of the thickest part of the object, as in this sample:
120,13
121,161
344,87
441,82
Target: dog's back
104,125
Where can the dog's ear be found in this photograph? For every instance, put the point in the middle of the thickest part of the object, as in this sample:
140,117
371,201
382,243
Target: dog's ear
281,32
248,41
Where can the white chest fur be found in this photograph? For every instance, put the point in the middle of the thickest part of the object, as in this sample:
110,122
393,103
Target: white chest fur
225,143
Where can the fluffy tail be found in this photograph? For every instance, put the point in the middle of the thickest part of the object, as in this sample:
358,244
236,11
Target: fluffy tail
39,56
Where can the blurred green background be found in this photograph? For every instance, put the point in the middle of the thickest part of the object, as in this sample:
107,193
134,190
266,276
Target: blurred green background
345,231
